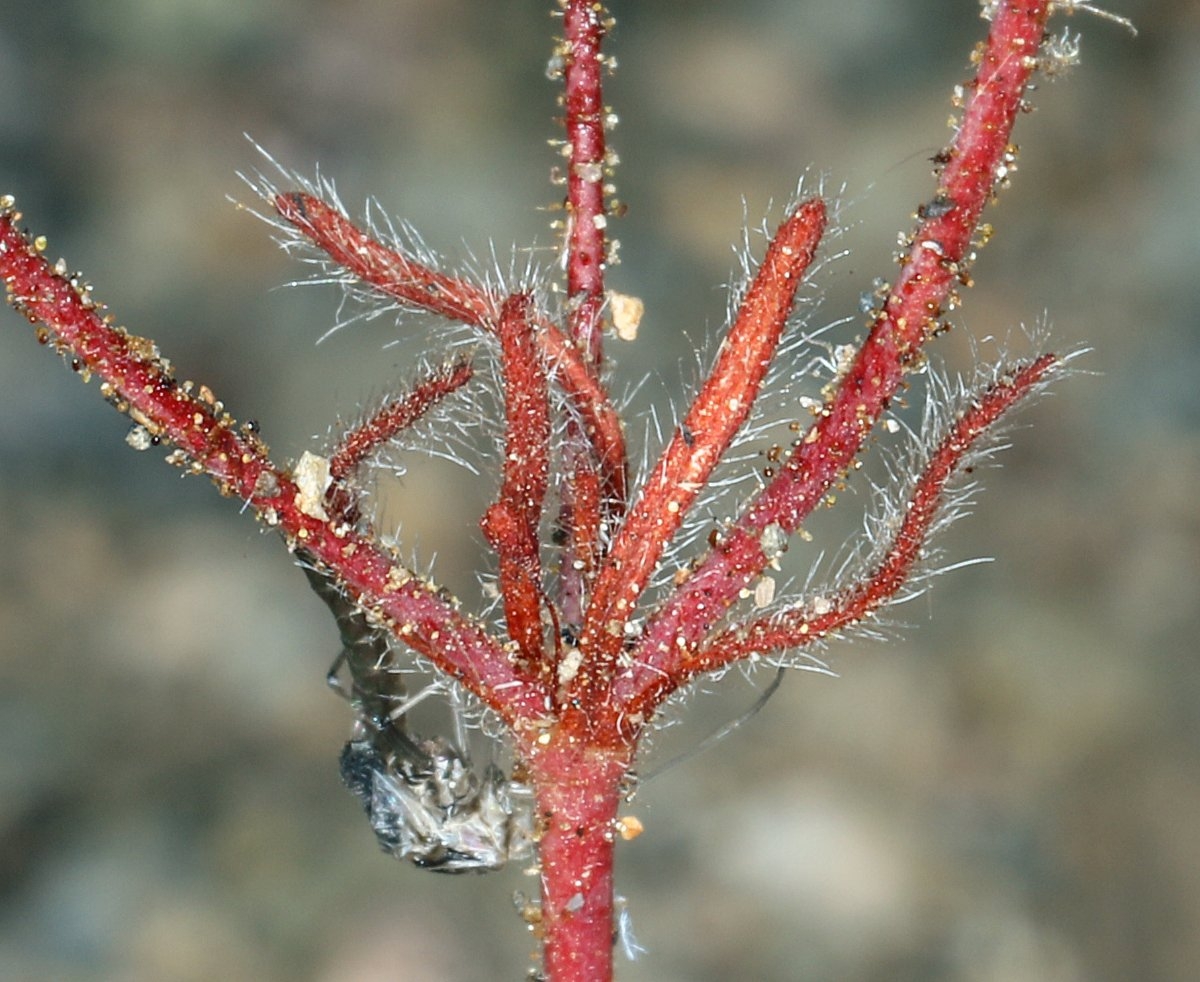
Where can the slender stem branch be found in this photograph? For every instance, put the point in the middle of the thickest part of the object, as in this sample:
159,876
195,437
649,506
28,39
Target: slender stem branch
585,23
395,416
511,524
387,270
579,530
719,410
805,624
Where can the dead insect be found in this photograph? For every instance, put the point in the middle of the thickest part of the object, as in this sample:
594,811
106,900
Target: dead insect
429,806
424,800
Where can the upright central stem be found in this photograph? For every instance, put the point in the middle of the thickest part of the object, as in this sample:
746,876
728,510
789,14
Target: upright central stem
585,24
587,498
578,792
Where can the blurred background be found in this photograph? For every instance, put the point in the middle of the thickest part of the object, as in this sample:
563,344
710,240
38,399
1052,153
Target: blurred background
1011,792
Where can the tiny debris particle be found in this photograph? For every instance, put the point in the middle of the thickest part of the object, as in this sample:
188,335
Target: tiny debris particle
773,540
764,591
568,667
626,314
843,358
312,480
266,485
139,437
591,172
629,827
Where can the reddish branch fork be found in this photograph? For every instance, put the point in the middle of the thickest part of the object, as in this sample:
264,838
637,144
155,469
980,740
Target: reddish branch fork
417,286
138,381
576,678
938,259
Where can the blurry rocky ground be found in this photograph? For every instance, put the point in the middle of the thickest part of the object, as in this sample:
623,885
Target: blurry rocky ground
1010,792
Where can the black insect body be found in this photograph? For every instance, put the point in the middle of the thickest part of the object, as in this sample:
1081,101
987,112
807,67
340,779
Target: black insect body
431,808
424,800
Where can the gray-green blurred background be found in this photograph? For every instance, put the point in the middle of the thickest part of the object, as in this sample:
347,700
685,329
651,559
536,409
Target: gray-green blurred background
1011,793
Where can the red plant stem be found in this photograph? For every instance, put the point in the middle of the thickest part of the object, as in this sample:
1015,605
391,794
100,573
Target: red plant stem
388,270
579,529
801,626
582,512
585,23
934,263
139,381
395,416
396,275
577,800
511,524
719,410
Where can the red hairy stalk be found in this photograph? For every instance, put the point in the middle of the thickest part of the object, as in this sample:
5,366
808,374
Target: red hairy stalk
720,408
393,417
576,856
582,511
387,270
342,497
585,25
579,659
805,624
511,524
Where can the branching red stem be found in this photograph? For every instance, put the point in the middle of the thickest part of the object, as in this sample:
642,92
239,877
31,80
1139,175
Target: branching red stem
719,410
936,261
137,380
804,624
396,275
576,707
